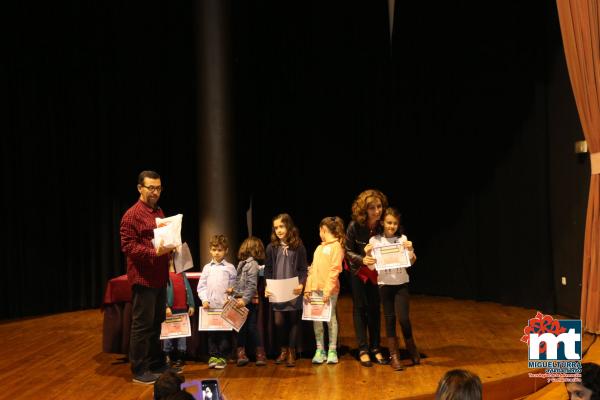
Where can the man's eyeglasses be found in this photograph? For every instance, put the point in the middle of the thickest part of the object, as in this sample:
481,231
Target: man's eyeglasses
153,188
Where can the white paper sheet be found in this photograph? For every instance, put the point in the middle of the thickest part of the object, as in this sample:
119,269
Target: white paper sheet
182,259
282,290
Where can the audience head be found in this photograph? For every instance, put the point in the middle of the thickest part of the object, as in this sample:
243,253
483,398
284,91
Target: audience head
589,388
459,384
181,395
167,384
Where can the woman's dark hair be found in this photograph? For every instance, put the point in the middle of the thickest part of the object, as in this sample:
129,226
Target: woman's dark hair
459,384
590,378
292,238
336,227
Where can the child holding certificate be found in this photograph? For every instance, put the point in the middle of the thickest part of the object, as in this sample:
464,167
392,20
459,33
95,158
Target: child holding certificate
286,258
180,299
252,251
393,288
323,278
217,276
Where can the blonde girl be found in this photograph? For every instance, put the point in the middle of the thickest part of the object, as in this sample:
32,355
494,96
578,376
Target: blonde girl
323,277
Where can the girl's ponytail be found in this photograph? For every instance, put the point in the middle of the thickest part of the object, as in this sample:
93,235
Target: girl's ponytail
336,227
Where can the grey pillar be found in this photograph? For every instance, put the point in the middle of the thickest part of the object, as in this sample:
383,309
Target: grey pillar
391,8
215,152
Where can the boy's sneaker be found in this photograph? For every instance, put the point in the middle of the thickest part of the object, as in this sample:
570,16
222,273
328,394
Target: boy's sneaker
332,357
319,357
146,378
212,362
221,363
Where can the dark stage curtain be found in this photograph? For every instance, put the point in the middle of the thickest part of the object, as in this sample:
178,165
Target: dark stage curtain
94,92
451,124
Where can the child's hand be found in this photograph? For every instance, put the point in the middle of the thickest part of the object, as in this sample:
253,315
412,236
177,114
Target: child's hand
205,304
229,290
240,303
325,298
169,312
307,295
191,311
408,245
368,249
368,260
298,289
268,292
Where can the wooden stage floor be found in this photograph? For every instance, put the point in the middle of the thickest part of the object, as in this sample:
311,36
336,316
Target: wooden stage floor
59,357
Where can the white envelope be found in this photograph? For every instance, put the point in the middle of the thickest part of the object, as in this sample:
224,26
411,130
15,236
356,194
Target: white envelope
168,233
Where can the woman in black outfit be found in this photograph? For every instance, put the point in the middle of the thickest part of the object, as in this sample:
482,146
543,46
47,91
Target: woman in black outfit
367,211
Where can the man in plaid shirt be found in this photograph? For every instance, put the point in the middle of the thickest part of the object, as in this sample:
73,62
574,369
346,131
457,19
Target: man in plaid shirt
148,273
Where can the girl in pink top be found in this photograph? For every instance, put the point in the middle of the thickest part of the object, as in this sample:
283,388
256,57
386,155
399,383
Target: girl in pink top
323,278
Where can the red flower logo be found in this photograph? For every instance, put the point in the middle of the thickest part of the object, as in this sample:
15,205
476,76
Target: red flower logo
541,324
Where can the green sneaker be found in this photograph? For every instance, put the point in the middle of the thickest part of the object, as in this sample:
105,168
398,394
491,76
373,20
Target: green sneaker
212,362
221,363
319,357
332,357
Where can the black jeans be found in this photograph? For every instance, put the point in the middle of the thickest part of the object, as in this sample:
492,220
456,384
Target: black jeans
366,313
218,344
148,311
248,335
287,327
395,299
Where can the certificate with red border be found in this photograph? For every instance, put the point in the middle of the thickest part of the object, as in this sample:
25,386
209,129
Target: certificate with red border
176,326
316,309
390,256
209,319
235,316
